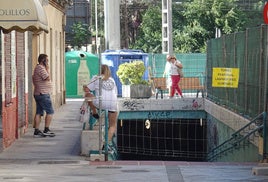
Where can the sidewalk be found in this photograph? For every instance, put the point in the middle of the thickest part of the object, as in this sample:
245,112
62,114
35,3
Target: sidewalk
58,159
64,145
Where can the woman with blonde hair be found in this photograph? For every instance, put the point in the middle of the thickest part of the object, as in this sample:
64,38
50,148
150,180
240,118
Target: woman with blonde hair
108,94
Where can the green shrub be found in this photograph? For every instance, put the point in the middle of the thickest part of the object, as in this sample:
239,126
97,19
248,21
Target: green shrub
131,73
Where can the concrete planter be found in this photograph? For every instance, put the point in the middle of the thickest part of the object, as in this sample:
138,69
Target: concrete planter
136,91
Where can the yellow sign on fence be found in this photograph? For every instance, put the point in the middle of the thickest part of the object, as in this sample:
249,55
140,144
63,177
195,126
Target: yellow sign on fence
225,77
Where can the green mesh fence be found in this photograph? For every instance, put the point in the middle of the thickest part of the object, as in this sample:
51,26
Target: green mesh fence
248,52
194,65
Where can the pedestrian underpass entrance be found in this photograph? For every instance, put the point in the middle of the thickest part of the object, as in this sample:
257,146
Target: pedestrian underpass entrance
162,139
162,129
185,130
178,130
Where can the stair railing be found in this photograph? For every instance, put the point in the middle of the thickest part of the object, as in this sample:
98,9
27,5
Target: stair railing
255,126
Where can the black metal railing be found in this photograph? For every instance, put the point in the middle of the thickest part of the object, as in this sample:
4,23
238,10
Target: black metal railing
246,133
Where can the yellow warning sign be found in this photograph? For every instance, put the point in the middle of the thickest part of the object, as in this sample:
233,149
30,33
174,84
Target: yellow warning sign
225,77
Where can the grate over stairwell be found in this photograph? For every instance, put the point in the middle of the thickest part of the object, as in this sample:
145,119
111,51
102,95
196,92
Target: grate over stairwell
247,133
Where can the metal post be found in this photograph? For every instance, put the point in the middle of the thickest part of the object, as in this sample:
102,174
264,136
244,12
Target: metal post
96,26
264,120
100,120
100,106
106,135
265,124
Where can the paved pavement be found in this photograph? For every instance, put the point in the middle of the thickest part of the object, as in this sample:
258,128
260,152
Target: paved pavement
58,158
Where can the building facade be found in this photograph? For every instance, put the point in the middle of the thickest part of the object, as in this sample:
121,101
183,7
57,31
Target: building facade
28,29
80,11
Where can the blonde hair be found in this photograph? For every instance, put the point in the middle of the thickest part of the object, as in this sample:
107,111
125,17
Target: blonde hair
173,57
105,71
169,57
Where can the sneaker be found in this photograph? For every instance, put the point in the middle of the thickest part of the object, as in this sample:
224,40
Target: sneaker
49,133
110,149
39,134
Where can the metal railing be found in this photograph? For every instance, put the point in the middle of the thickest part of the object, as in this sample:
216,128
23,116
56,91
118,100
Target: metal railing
255,126
103,136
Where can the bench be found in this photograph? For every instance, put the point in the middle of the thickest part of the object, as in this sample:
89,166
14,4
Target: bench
186,83
192,83
160,85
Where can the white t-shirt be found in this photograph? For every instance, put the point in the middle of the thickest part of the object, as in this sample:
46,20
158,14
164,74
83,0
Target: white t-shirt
174,68
108,93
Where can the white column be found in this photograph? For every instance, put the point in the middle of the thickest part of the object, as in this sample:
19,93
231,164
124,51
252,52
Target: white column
167,42
106,14
112,24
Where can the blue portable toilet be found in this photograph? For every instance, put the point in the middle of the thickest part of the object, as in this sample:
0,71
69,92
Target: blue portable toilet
113,58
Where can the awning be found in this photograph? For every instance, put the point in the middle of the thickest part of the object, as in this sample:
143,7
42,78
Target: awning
22,15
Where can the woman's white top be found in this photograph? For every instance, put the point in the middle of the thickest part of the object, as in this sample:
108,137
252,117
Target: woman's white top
108,93
173,68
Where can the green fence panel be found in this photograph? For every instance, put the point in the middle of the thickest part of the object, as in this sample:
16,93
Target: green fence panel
246,51
194,65
240,55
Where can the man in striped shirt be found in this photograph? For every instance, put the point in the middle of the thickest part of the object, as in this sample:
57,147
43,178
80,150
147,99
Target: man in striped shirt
42,90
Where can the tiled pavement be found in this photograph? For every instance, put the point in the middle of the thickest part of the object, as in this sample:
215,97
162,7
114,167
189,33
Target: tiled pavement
58,159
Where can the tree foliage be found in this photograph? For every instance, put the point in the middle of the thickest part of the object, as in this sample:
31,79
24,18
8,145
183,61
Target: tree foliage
201,20
99,18
195,22
81,34
150,36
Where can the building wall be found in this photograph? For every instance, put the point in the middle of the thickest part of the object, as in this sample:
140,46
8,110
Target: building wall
79,12
19,58
52,44
22,76
222,124
14,105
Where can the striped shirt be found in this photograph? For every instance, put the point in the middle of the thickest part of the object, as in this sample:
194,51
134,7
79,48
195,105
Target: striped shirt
41,85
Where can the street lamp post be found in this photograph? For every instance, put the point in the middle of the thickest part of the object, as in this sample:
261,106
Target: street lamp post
96,26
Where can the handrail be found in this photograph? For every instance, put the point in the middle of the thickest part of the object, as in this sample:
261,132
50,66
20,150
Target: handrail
237,137
252,121
106,136
93,122
249,134
241,129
